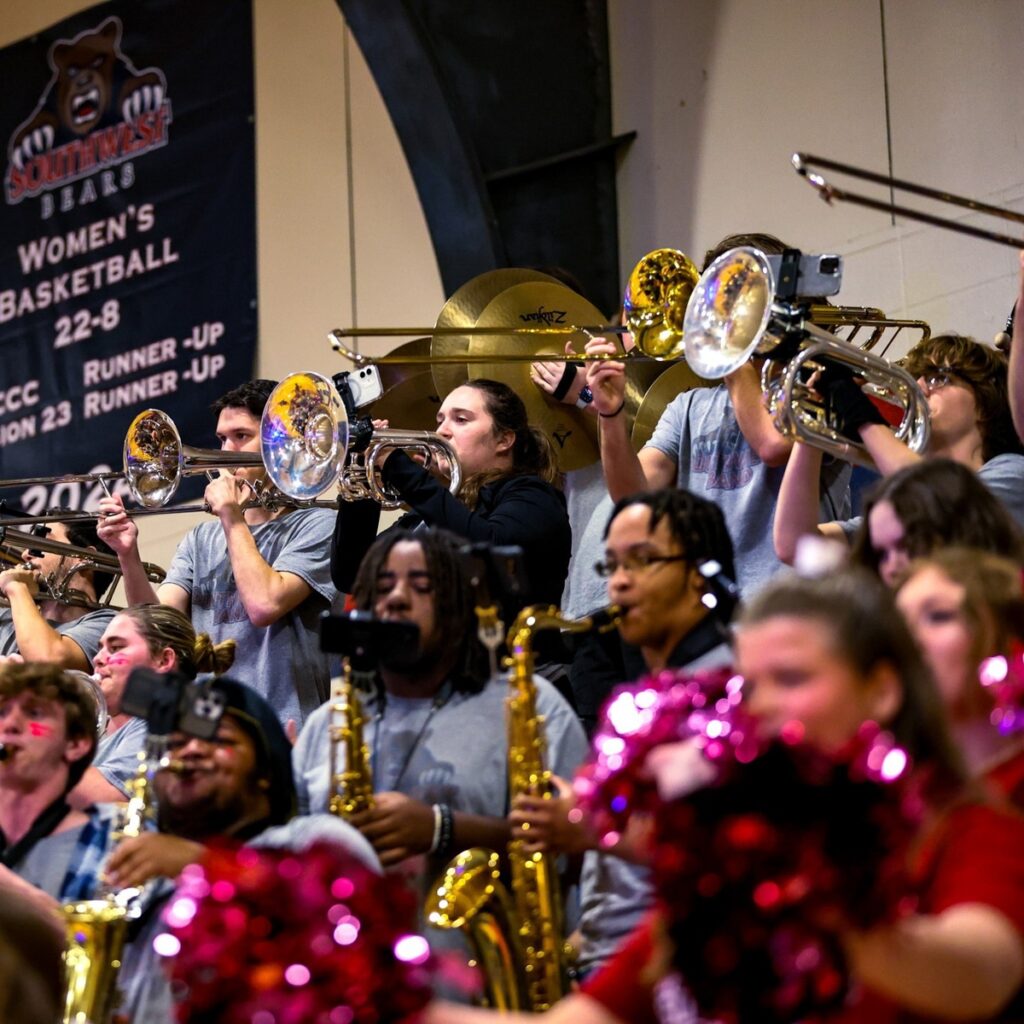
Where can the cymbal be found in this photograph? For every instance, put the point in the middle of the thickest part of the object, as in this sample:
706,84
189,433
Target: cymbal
462,310
410,400
674,381
573,432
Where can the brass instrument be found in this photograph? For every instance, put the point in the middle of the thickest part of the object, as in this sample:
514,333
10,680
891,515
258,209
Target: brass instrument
304,442
95,937
360,477
351,787
518,937
734,315
96,928
56,586
653,306
803,162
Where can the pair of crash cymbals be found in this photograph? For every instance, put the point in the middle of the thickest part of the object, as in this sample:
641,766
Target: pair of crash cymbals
520,298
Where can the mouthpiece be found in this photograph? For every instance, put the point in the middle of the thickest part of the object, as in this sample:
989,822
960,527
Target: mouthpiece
174,767
606,618
4,753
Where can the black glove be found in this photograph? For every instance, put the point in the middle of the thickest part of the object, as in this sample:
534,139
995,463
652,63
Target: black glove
847,407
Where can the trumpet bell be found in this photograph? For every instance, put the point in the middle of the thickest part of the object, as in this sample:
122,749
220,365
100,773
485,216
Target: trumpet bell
728,312
304,435
153,458
655,302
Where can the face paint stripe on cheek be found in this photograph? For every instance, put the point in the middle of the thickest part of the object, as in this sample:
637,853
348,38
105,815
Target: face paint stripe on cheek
39,729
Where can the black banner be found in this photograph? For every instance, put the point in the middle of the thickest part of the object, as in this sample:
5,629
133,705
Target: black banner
127,233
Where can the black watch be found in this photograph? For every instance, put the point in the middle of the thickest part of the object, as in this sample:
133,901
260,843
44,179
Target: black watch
585,398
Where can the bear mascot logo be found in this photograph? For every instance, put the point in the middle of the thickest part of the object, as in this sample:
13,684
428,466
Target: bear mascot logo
94,86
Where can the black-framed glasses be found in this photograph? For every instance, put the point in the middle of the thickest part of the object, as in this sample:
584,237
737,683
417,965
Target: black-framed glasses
635,561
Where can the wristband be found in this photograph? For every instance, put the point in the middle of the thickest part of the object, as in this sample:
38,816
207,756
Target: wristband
585,398
568,376
438,821
447,837
612,415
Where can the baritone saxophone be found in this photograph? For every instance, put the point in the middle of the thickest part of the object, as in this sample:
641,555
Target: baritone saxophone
519,936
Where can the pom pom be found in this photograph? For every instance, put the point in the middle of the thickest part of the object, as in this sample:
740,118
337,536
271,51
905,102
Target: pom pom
285,938
1003,677
759,871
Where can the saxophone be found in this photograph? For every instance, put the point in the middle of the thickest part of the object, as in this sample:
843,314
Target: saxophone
351,786
518,937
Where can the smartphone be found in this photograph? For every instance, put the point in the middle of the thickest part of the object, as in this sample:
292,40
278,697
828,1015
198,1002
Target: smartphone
367,641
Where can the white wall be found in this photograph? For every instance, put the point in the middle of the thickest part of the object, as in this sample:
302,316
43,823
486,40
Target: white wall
720,93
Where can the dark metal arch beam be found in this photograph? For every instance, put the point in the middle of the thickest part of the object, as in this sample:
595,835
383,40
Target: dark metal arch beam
445,169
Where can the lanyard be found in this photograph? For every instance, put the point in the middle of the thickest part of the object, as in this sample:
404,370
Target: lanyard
440,699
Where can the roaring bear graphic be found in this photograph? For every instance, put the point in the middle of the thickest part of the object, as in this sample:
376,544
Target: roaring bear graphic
93,85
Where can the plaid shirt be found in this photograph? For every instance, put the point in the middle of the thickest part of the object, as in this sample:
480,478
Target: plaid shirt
90,855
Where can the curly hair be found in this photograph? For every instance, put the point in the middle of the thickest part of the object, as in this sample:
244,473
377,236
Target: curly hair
939,503
454,604
768,244
984,371
162,626
50,682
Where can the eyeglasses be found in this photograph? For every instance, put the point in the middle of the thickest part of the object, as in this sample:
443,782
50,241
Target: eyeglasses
635,561
938,379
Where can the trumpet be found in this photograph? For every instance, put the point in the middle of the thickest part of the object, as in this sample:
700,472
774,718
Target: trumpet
734,314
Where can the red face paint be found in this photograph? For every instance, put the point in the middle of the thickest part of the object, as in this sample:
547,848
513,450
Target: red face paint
39,729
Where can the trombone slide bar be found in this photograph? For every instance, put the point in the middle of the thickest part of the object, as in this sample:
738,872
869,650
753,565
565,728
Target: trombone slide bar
803,162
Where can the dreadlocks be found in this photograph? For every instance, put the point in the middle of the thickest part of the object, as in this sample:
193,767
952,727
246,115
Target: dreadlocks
454,606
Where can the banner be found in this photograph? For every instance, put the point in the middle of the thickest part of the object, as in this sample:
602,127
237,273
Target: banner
127,234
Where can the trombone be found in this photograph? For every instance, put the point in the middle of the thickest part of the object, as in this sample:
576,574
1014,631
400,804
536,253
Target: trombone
304,449
56,587
654,303
803,162
734,315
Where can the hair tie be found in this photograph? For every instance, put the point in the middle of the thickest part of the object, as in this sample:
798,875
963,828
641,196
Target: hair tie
568,376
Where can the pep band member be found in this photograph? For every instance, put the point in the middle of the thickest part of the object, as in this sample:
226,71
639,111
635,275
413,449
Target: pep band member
508,496
55,632
965,383
831,654
152,636
257,576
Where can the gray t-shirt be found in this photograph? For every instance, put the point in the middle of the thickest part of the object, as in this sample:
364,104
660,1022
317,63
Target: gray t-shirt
615,894
699,432
1004,478
590,507
117,754
454,753
46,864
283,662
86,631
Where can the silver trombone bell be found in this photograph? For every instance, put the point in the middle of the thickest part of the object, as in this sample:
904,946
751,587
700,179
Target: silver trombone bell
728,312
304,435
